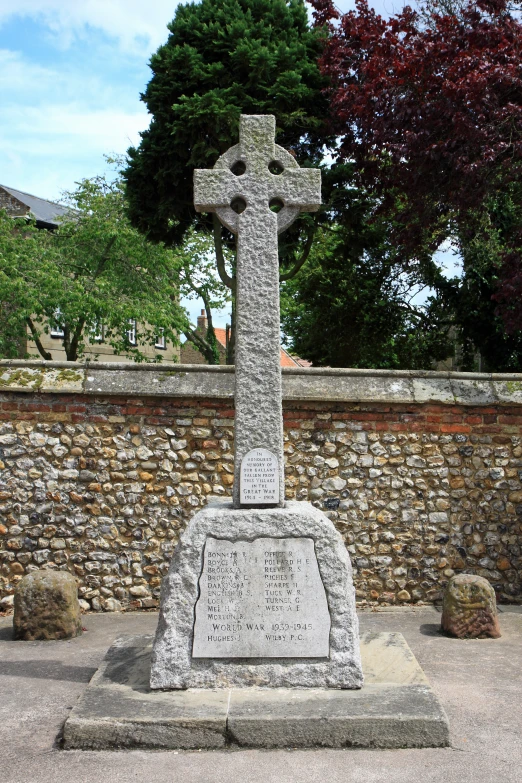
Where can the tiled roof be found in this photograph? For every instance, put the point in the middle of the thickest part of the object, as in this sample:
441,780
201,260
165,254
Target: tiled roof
286,359
42,210
302,362
221,336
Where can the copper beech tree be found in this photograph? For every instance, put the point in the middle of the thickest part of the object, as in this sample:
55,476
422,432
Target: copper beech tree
429,107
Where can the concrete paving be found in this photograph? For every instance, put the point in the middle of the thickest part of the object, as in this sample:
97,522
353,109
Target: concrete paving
478,682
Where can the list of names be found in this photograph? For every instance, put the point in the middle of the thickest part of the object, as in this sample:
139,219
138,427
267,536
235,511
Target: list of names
261,599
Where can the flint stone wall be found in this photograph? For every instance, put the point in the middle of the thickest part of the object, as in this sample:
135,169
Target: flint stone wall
101,467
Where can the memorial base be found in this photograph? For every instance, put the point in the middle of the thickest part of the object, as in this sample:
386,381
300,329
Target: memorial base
258,597
396,708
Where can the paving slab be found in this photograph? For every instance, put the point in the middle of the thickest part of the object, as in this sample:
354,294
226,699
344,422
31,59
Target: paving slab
396,708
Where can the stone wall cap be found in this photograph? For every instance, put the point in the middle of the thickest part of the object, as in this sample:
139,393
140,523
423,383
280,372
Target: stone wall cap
117,366
300,384
229,368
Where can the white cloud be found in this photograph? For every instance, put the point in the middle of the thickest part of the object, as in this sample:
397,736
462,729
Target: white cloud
139,26
25,82
13,76
44,150
58,123
449,260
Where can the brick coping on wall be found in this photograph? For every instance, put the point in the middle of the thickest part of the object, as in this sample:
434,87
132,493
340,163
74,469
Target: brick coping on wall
102,465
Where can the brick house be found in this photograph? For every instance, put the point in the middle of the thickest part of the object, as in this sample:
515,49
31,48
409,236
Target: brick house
190,355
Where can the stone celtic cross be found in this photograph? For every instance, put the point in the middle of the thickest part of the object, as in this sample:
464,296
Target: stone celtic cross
246,183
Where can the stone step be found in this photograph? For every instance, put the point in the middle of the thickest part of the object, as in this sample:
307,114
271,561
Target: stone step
396,708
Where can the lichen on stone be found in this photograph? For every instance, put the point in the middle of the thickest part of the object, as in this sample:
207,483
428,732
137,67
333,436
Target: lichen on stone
514,386
69,375
22,378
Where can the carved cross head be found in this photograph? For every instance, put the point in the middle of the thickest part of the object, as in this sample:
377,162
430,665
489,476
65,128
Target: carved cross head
256,177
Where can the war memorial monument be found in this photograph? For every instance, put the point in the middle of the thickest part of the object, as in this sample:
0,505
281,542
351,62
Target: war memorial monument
257,642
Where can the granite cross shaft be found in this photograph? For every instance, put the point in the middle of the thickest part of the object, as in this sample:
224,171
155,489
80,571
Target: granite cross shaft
245,185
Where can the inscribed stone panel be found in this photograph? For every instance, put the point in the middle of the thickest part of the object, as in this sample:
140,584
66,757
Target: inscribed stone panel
261,599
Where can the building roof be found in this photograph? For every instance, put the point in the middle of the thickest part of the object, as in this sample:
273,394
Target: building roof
286,359
44,212
221,336
302,362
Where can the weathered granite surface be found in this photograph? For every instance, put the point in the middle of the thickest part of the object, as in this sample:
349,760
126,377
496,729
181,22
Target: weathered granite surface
259,478
46,606
119,710
261,599
172,663
246,174
469,609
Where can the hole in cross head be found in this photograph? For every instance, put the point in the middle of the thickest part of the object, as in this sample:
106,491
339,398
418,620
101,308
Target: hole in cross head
238,168
275,167
275,204
238,204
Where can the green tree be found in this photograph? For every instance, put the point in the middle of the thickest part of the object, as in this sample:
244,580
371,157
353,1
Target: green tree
225,58
228,57
483,340
353,303
198,279
428,106
94,270
350,306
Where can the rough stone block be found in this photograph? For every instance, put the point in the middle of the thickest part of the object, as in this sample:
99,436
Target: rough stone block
432,389
376,716
339,384
173,664
46,607
39,376
261,599
469,609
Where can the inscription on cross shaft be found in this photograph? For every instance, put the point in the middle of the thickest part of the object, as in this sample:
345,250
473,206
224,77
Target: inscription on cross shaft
244,184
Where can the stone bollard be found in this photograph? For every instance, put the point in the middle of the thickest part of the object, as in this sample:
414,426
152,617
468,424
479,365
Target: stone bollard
469,609
46,606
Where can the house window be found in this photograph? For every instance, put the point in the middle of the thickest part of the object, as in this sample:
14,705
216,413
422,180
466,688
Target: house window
161,342
131,331
56,330
98,333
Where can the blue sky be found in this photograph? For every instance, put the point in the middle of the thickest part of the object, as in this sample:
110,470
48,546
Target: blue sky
71,73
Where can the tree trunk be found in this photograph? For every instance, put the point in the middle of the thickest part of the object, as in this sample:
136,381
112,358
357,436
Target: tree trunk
41,350
205,348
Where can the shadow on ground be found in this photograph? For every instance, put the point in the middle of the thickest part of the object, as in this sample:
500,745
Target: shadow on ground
46,670
6,634
430,629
